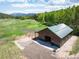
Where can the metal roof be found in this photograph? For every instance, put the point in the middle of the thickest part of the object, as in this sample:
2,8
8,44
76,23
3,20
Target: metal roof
61,30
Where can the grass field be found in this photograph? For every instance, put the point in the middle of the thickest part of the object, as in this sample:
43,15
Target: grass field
9,29
9,51
75,48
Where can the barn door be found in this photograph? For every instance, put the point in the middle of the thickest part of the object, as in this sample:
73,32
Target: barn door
47,38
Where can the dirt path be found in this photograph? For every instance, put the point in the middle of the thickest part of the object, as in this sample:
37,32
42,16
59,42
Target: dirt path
64,50
62,53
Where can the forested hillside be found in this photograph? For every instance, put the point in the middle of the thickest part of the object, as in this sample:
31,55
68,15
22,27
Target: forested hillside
5,16
69,16
23,17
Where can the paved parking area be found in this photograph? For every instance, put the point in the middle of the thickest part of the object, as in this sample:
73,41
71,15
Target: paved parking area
25,41
34,50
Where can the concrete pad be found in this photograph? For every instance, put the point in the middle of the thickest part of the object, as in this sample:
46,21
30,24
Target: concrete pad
44,46
23,42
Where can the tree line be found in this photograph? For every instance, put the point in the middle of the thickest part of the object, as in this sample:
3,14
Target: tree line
69,16
5,16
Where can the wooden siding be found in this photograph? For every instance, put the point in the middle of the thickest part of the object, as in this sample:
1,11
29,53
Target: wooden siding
46,32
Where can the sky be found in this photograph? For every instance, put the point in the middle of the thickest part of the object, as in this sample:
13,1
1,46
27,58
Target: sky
34,6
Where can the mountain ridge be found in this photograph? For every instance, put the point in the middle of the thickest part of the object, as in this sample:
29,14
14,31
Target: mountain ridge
22,14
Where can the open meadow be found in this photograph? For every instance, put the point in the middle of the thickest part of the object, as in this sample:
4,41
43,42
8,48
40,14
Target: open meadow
11,28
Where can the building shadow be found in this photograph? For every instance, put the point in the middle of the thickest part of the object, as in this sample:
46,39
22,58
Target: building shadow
46,43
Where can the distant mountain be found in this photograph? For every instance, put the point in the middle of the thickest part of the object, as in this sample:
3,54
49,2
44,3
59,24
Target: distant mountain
22,14
2,15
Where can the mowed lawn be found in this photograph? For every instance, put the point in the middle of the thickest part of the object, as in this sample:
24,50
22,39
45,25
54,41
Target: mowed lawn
11,28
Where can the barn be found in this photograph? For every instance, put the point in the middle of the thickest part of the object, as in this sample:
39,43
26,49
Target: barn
55,34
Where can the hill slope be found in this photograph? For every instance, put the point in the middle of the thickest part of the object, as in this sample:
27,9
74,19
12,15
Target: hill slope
69,16
22,14
2,16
